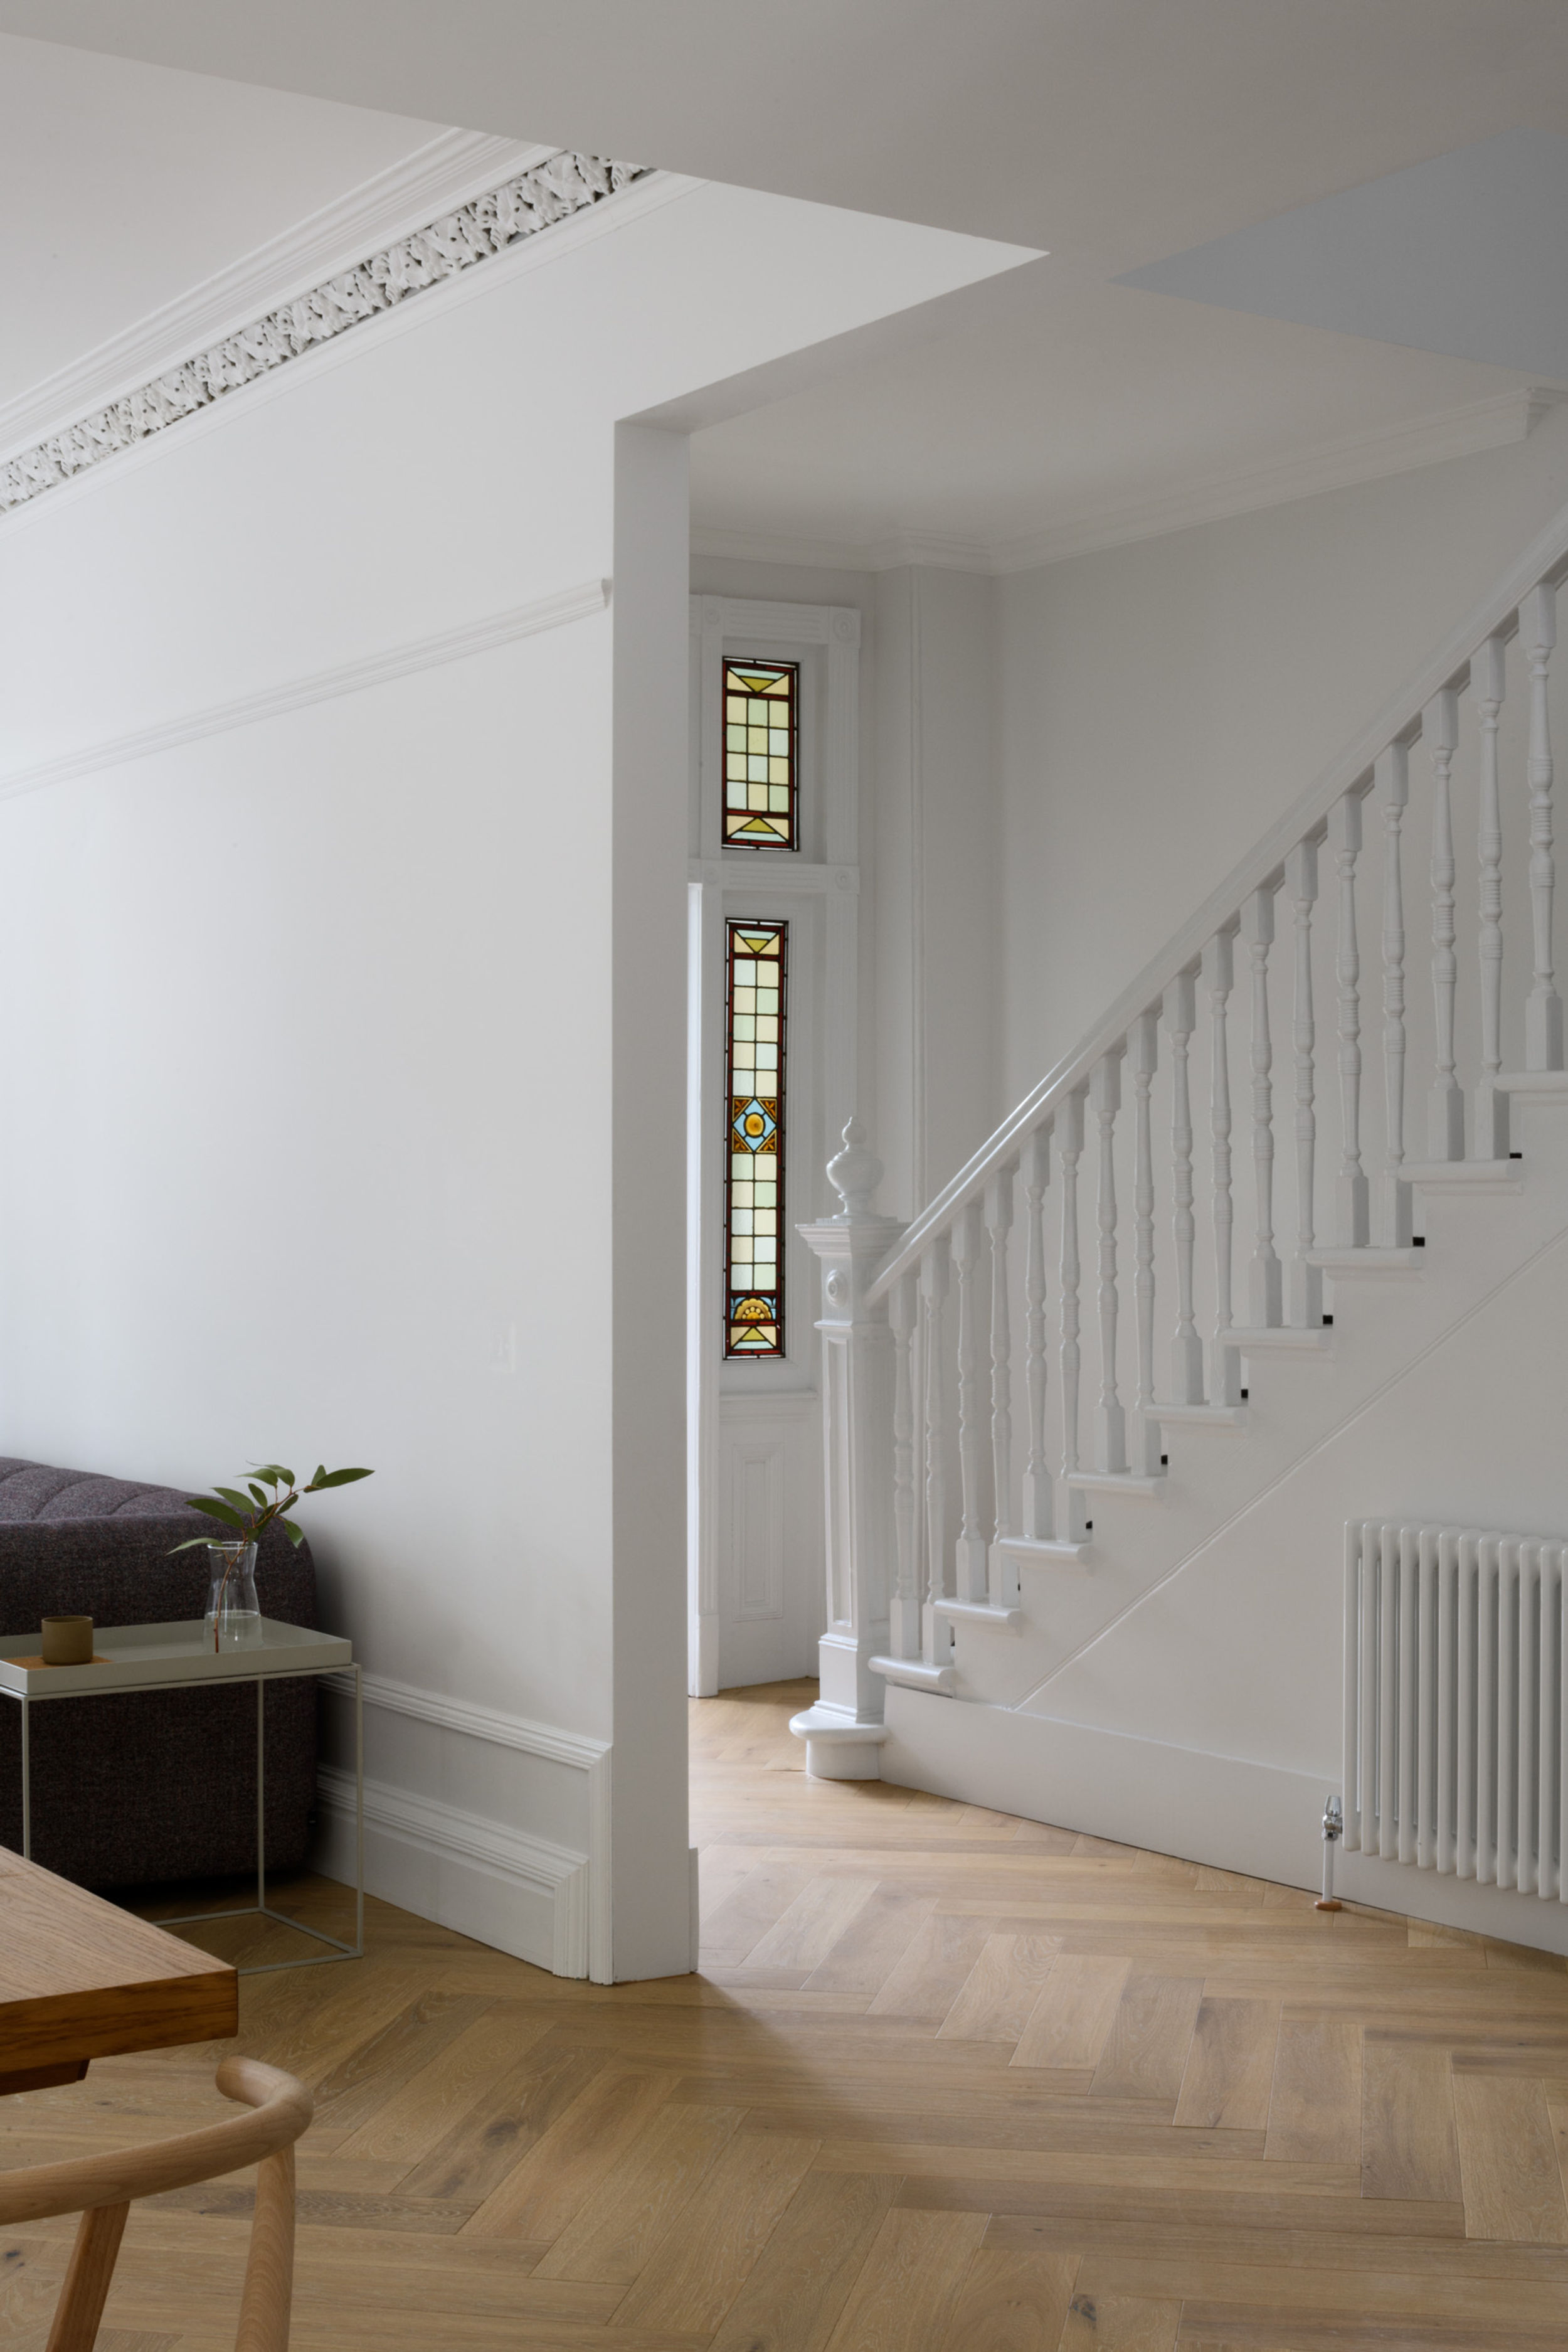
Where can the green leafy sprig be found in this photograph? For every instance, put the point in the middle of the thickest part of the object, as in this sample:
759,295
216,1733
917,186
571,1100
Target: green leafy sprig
246,1516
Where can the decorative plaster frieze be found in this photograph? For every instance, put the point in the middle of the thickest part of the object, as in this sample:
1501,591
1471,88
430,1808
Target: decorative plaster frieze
523,206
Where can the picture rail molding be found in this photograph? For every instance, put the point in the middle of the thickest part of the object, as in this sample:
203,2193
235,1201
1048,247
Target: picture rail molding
552,612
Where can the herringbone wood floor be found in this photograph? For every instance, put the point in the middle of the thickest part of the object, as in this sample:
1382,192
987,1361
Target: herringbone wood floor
949,2082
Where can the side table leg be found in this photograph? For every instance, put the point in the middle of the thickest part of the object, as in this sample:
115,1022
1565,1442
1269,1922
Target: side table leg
359,1810
26,1785
260,1795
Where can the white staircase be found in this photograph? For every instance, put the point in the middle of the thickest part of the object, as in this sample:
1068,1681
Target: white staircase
1096,1419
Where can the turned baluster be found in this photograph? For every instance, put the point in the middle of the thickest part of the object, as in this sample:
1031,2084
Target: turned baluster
971,1551
1351,1223
1144,1038
1264,1301
1038,1508
1392,785
936,1635
1070,1141
904,1629
1492,1125
1446,1104
1110,1421
1225,1371
1187,1347
1543,1008
999,1223
1306,1279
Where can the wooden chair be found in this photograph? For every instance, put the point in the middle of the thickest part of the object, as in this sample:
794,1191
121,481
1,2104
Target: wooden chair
100,2188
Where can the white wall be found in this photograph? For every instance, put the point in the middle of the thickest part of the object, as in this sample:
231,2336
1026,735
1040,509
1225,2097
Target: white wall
347,1041
1162,703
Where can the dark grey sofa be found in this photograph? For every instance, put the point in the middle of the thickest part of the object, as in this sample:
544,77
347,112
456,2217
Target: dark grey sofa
129,1790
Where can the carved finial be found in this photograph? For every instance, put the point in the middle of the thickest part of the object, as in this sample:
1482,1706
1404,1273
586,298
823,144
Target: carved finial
855,1175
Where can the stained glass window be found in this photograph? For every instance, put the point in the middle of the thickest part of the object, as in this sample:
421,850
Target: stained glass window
761,731
754,1229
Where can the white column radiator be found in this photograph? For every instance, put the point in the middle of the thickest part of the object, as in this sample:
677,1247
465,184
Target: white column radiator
1455,1702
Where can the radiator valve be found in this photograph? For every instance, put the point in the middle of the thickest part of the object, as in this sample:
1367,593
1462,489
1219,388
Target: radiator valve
1334,1830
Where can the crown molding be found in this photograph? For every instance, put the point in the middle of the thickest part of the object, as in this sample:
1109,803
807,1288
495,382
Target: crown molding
648,194
516,216
552,612
842,555
445,172
1491,424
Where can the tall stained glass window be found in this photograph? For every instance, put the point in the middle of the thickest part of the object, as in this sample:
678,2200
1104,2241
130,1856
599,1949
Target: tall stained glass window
761,727
754,1194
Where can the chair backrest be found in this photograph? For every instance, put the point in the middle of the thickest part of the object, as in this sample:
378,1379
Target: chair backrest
101,2188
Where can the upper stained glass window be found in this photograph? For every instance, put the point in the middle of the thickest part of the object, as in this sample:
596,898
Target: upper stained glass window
754,1192
761,731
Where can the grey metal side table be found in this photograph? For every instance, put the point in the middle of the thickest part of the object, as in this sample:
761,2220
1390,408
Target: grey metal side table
181,1656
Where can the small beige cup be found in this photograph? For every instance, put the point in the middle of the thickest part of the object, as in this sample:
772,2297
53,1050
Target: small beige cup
67,1640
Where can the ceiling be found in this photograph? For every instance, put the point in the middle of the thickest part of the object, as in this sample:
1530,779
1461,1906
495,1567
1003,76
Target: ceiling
1021,417
124,185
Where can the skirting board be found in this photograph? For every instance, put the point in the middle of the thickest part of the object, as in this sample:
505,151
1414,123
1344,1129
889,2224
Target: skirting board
518,1893
1228,1812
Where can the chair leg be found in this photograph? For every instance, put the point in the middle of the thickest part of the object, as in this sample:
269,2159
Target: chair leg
86,2290
269,2294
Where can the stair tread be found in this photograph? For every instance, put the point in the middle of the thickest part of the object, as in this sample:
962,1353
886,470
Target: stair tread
914,1672
1117,1482
978,1613
1368,1260
1476,1175
1041,1548
1287,1337
1202,1416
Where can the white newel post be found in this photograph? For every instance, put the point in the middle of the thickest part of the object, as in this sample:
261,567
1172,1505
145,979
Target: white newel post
844,1730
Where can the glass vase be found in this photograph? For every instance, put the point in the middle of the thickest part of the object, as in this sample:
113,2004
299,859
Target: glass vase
234,1613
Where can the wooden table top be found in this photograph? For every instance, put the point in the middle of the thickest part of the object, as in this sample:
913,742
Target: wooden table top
80,1979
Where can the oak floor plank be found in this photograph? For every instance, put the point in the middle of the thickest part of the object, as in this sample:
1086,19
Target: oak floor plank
1408,2144
1070,2022
539,2197
873,1943
745,1914
1230,2066
1120,2323
613,2235
503,2123
904,2298
804,1936
1010,2302
997,1996
353,2090
926,1981
706,2255
798,2288
1145,2051
1512,2183
1314,2108
421,2111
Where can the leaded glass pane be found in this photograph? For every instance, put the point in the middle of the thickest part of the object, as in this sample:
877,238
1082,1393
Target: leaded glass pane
753,1094
761,733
